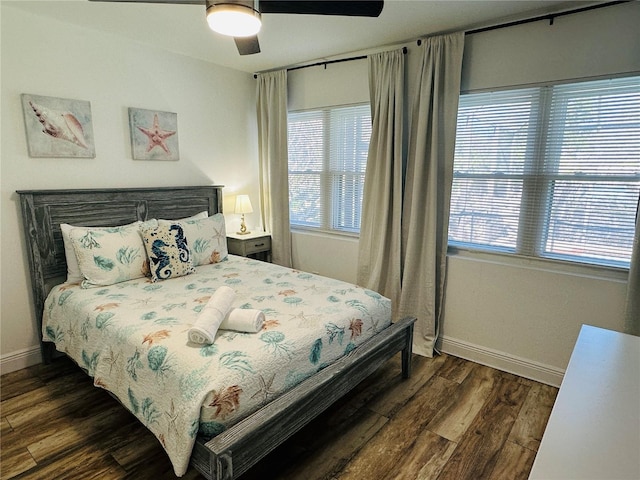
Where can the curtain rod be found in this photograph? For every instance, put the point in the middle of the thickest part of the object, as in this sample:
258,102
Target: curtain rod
329,62
550,16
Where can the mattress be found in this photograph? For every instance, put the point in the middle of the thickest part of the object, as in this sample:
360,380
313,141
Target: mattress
131,337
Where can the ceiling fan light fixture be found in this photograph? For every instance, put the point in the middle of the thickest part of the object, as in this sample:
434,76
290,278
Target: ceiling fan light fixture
234,20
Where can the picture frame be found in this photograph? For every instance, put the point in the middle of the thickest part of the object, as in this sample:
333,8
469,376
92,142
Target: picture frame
154,134
58,127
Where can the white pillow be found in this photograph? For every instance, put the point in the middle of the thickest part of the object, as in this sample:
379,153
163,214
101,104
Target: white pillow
73,269
206,237
109,255
197,216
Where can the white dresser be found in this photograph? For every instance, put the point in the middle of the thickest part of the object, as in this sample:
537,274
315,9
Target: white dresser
594,427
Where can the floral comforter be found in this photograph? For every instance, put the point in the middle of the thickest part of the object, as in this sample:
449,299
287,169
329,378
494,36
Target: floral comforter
131,337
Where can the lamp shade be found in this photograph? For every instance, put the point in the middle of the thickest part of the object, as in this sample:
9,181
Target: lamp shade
243,204
235,20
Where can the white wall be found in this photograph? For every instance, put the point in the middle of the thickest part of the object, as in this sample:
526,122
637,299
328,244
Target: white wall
518,315
216,128
335,84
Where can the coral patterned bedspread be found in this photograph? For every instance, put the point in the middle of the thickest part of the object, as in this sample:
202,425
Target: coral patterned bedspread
131,337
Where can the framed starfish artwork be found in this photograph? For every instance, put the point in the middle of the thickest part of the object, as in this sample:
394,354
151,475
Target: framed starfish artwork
154,134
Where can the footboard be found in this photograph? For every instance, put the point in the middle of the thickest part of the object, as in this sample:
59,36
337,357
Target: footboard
233,452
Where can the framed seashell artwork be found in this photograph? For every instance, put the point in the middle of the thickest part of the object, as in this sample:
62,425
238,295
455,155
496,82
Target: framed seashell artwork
154,134
58,127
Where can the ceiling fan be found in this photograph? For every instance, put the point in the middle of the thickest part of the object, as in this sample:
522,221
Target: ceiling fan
241,19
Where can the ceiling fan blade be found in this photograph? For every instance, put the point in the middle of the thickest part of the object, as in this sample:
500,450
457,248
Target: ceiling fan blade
247,45
352,8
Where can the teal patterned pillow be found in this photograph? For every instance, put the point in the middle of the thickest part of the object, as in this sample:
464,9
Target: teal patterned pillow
74,275
109,255
168,251
207,238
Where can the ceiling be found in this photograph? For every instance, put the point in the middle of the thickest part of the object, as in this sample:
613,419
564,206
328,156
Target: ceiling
288,40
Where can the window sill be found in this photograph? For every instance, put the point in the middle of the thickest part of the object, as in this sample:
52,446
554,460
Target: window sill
543,264
325,233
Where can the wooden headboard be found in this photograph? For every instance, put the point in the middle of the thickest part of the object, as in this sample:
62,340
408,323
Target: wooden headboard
44,210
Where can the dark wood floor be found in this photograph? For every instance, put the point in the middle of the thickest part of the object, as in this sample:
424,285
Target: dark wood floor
453,419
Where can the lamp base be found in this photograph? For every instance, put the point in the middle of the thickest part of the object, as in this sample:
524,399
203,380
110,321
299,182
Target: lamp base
243,227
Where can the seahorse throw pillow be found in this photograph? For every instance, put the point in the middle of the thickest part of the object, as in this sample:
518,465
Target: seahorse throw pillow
168,251
109,255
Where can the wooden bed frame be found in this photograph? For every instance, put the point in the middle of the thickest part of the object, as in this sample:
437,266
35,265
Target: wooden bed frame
233,452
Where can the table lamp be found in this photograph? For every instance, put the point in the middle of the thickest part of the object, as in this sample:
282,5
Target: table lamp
243,205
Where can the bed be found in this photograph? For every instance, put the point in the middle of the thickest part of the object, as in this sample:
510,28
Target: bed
344,355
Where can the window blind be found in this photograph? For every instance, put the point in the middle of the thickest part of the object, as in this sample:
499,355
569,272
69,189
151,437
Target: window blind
550,171
306,168
492,154
327,162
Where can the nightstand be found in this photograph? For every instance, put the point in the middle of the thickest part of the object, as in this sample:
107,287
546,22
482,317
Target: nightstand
255,245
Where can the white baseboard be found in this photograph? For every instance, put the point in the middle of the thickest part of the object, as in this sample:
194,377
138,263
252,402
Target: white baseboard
20,359
502,361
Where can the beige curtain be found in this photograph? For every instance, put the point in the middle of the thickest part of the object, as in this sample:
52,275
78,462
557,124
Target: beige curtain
428,182
379,249
273,162
632,310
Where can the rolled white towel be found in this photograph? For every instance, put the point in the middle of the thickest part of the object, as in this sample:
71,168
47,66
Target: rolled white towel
208,322
243,320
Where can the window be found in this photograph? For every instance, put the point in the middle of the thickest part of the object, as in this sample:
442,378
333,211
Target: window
327,160
549,172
